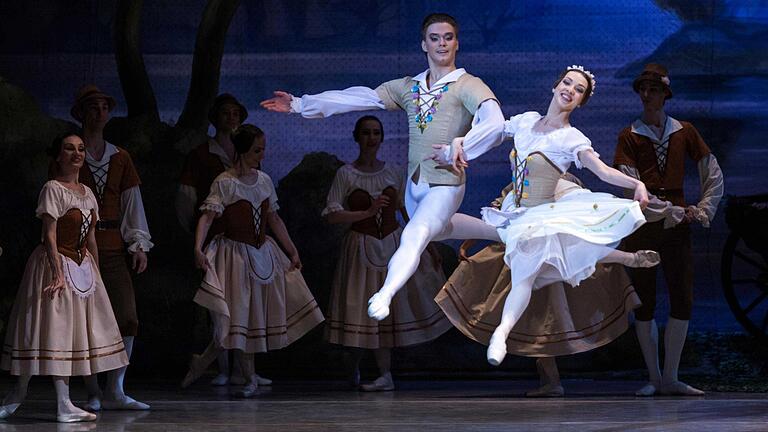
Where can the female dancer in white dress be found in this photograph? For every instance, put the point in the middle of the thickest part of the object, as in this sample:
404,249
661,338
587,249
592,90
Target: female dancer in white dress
62,323
256,293
367,194
550,240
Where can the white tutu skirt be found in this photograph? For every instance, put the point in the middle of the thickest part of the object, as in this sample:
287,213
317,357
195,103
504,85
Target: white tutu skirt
563,240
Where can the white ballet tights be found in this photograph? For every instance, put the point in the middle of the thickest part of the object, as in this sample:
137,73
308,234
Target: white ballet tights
432,212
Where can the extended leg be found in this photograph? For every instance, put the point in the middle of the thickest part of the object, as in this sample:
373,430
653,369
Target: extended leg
514,306
435,207
384,381
115,398
66,411
13,400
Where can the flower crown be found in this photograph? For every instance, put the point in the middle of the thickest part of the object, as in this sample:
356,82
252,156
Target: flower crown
586,72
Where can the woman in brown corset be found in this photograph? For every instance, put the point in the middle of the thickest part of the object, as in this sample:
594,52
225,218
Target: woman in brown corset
256,294
62,323
367,195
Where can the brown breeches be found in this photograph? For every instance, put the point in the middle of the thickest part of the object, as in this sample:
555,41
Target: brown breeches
674,245
116,275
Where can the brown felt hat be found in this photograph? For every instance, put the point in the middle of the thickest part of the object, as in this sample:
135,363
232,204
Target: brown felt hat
221,100
88,93
654,73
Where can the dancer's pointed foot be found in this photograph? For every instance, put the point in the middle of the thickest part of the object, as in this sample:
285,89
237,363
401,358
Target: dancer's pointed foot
679,388
378,306
546,391
649,389
644,259
380,384
8,409
125,403
497,348
221,379
195,371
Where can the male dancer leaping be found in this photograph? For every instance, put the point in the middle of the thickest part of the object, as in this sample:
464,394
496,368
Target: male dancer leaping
442,103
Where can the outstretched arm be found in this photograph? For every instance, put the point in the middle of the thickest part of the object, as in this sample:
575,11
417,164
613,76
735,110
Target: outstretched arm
325,104
613,176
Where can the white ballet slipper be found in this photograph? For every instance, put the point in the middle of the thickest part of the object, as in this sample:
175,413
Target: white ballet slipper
380,384
8,410
378,306
649,389
126,403
679,388
82,416
220,380
261,381
248,391
497,348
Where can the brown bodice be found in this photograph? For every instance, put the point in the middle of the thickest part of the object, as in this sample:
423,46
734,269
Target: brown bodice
71,233
384,222
535,178
243,222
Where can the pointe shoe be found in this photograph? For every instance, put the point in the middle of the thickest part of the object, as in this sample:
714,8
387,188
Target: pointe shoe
8,410
378,306
126,403
93,404
249,391
645,259
220,380
260,380
546,391
497,349
83,416
380,384
679,388
649,389
195,371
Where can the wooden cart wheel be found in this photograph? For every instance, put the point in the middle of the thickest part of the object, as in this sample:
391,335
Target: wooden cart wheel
745,285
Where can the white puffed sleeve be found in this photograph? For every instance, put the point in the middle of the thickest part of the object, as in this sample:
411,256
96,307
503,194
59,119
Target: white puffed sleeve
133,225
50,201
575,142
215,200
337,193
332,102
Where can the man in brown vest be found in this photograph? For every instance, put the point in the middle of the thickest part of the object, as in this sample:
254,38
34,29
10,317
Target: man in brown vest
122,234
653,149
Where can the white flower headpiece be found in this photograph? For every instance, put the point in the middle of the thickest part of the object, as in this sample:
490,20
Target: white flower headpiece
586,72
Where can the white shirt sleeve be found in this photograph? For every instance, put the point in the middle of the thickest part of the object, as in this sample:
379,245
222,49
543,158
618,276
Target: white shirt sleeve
487,130
657,209
133,225
332,102
712,186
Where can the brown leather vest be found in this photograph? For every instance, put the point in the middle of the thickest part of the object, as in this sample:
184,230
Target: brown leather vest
242,222
380,225
71,233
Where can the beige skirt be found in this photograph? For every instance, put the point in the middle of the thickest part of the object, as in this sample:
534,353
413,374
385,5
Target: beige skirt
414,317
559,320
256,305
73,334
